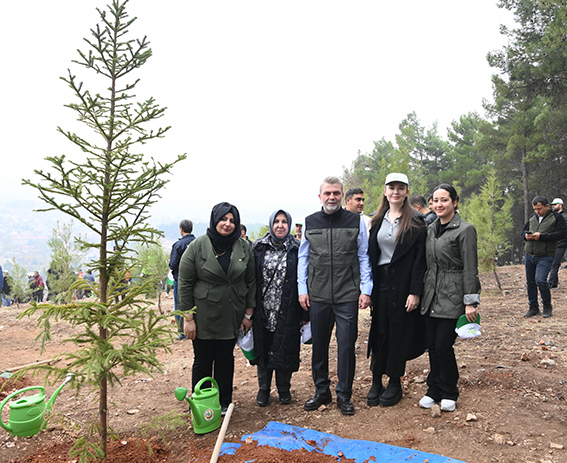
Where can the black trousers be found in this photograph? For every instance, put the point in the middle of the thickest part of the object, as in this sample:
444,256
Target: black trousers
215,357
553,279
283,377
323,316
444,372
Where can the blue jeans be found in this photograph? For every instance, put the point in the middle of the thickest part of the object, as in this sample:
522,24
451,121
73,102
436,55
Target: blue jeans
6,300
180,320
537,269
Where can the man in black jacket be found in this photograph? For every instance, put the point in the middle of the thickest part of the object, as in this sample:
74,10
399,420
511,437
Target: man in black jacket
418,203
334,282
557,206
177,250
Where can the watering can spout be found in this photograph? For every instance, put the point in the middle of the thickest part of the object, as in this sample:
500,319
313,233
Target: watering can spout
57,391
182,394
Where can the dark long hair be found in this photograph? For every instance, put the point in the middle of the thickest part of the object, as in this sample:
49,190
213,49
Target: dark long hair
409,221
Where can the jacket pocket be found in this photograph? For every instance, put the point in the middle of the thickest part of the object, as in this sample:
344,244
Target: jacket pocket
455,292
203,292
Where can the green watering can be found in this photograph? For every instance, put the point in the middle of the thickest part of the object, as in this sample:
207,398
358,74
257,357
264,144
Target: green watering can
27,414
205,405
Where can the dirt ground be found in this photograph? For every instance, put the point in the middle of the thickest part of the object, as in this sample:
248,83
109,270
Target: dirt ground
512,406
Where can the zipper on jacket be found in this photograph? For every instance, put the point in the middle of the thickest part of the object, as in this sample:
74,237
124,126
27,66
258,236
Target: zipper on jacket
332,264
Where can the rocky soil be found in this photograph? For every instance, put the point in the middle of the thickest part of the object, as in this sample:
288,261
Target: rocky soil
512,406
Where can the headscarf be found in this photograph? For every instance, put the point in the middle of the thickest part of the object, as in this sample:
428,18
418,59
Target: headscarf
223,243
279,241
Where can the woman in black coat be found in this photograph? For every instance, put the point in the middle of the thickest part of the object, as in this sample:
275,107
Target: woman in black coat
397,255
278,315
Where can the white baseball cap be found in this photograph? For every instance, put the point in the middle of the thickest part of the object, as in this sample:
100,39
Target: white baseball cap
557,201
396,177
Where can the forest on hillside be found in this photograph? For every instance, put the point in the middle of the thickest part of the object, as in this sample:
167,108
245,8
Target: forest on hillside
502,159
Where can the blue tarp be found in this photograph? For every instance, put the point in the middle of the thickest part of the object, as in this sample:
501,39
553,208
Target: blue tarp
285,436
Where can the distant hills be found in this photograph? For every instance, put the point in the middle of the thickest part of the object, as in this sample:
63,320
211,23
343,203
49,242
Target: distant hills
24,234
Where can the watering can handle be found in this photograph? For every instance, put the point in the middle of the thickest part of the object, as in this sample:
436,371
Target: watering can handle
5,401
204,380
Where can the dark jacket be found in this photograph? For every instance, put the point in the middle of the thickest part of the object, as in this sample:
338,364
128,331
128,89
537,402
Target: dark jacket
7,285
563,242
430,218
552,228
451,280
334,272
221,298
177,251
406,271
284,352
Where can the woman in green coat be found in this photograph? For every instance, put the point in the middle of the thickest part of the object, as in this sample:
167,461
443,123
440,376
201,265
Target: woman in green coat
452,288
217,277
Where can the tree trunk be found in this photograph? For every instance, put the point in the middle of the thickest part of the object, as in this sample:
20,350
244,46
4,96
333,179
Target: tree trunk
525,185
102,405
498,282
159,301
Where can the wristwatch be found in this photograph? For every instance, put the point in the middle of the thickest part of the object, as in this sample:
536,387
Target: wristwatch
475,305
248,317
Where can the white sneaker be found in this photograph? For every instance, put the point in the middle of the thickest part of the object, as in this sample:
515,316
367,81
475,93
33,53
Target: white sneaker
448,405
427,402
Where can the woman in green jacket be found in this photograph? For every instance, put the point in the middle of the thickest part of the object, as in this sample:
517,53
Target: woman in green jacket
217,278
452,288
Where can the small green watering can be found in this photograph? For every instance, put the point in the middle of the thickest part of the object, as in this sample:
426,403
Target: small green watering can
27,414
205,405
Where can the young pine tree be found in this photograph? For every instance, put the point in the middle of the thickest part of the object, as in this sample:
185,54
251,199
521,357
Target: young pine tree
20,291
153,263
489,212
64,264
109,186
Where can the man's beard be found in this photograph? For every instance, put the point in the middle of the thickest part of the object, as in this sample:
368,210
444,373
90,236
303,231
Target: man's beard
331,207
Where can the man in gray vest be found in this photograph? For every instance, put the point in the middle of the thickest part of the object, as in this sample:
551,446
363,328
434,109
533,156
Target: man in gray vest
541,233
334,281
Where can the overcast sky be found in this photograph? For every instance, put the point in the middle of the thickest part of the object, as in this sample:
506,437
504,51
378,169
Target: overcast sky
266,98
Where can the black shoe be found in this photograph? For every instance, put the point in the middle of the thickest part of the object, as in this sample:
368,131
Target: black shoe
224,409
285,398
373,397
532,312
547,311
345,406
392,395
263,397
316,401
